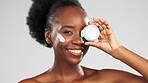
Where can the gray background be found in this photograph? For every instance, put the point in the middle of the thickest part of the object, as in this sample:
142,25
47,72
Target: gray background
21,57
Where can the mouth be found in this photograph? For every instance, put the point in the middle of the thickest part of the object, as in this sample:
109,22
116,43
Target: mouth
75,52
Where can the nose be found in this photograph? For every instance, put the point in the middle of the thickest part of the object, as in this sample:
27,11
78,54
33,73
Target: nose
77,40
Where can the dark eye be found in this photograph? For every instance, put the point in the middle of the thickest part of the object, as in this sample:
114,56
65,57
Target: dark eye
68,32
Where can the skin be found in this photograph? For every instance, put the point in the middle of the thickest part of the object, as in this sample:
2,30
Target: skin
66,68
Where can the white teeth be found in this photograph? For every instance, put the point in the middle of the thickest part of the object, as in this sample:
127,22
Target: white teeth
76,51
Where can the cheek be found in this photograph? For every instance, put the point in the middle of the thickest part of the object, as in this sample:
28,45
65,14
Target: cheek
58,40
64,38
55,41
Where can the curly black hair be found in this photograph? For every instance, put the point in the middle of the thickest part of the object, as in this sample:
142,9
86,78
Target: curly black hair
40,16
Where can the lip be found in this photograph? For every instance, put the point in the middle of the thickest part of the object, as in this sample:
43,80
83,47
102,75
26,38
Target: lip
74,53
75,48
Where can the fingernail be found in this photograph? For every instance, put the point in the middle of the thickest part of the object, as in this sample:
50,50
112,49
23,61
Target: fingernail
86,43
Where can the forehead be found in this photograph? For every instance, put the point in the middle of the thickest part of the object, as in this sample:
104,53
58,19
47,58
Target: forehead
71,16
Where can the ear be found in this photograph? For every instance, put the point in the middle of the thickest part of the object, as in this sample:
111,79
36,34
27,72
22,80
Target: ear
48,36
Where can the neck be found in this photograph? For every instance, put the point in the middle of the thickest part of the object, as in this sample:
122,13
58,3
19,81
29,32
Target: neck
62,70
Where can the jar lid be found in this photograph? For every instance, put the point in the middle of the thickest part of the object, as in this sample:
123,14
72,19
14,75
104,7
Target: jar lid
90,33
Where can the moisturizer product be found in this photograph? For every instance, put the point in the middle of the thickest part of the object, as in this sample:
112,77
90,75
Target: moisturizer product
60,37
90,33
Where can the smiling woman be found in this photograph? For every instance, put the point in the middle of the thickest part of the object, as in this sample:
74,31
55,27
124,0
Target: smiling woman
58,24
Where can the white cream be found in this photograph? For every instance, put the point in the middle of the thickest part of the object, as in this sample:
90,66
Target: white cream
60,37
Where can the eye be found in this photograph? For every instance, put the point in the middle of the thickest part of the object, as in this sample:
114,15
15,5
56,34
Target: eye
68,32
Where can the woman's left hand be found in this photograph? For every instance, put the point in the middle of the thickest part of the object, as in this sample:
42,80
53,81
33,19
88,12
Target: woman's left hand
107,39
108,43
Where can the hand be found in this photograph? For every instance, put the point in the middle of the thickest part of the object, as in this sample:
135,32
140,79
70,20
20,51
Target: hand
107,39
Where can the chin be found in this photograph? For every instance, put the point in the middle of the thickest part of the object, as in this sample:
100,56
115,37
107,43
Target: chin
75,61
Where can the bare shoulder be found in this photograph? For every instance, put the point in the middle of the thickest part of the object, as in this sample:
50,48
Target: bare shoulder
89,71
114,76
31,80
123,76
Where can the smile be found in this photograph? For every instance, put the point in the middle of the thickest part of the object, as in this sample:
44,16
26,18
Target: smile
75,52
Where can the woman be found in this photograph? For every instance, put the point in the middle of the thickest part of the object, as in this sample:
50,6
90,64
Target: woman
50,18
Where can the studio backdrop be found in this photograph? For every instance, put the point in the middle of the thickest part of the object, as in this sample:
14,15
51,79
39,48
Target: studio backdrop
22,57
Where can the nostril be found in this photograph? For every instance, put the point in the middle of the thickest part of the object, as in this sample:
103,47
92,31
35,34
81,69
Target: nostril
78,41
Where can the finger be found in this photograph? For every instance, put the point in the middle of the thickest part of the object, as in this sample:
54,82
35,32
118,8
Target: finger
110,31
95,44
101,37
90,22
101,28
93,23
102,21
103,32
108,26
106,23
97,20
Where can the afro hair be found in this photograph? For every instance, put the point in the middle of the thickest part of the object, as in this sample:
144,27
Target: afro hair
39,15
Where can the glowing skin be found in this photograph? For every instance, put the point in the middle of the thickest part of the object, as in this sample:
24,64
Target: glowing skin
56,27
65,35
58,37
62,39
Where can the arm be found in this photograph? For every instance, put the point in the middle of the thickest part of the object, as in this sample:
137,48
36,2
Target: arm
109,44
133,60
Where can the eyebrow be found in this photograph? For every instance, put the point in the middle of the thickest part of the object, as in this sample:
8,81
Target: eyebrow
67,26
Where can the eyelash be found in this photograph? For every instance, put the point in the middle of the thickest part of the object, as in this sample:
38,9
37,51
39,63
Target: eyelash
68,32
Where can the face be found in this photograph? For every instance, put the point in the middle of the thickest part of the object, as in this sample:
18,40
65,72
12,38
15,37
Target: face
71,21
